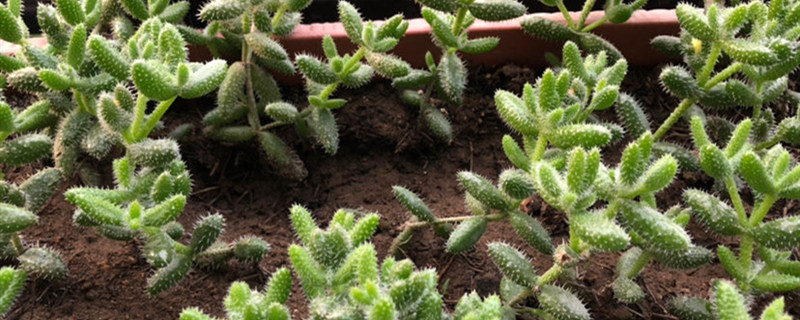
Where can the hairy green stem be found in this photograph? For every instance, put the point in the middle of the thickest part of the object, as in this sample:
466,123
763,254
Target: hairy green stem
354,60
141,107
16,241
155,116
723,75
565,12
252,112
612,209
548,277
595,24
761,209
673,118
587,8
276,124
730,185
757,108
711,61
769,143
329,89
278,16
539,149
460,15
638,265
746,251
413,225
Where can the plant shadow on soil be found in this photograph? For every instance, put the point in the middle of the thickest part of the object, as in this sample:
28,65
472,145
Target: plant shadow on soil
382,144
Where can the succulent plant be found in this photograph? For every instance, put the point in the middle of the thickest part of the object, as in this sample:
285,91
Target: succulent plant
245,303
248,91
616,11
727,303
754,40
341,277
80,65
450,21
144,206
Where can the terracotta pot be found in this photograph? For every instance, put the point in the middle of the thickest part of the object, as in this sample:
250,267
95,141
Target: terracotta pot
632,38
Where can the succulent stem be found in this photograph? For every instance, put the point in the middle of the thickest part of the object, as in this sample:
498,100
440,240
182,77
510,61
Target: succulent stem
141,107
17,242
413,225
587,7
761,209
595,24
539,149
730,185
638,265
757,108
565,12
724,74
550,275
521,296
708,67
462,12
276,20
673,118
746,251
155,116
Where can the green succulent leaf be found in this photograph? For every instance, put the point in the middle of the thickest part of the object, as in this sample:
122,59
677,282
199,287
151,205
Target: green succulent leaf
546,28
513,264
600,232
466,234
154,81
655,229
530,230
496,10
561,303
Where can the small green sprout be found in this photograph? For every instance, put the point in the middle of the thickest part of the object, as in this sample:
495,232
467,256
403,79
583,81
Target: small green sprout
450,21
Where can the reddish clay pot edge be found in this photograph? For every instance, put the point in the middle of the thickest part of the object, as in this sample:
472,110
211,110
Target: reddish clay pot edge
516,47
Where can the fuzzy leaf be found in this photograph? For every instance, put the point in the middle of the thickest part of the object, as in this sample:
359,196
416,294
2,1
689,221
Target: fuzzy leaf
695,23
561,303
655,229
205,79
154,153
25,149
12,281
600,232
496,10
452,77
546,28
514,112
780,234
713,212
466,234
513,264
530,230
154,81
218,10
583,135
482,189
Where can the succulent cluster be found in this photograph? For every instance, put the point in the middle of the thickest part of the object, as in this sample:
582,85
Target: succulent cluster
245,303
727,304
94,92
449,21
248,91
341,277
755,41
615,11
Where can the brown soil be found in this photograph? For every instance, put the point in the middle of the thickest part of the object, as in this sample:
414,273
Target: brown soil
382,145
